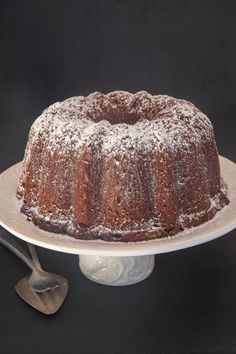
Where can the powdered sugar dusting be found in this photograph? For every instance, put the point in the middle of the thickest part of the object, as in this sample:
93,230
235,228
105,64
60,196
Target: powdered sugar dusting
79,120
125,133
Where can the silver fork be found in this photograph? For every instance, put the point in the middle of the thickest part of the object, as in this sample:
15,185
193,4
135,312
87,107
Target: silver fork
39,280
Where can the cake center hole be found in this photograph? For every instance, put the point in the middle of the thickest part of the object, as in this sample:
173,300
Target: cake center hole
117,117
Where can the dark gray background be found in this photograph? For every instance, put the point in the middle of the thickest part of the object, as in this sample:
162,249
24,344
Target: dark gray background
51,50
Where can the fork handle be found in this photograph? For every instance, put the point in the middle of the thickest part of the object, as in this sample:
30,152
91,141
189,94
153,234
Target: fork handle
34,255
8,241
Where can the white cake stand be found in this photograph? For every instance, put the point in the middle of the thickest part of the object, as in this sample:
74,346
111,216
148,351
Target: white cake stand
114,263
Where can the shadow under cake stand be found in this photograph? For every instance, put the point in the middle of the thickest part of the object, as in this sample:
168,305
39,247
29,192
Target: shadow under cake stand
114,263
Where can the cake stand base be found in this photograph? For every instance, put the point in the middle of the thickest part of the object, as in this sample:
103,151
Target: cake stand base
116,271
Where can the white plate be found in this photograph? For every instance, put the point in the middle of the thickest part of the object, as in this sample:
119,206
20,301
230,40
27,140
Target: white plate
16,223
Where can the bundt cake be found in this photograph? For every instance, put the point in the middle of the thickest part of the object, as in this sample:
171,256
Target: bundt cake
121,167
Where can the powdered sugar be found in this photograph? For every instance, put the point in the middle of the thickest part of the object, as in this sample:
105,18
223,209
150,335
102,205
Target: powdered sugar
75,122
125,134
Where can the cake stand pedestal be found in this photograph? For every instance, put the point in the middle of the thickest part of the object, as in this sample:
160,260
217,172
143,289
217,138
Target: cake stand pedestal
111,270
114,263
